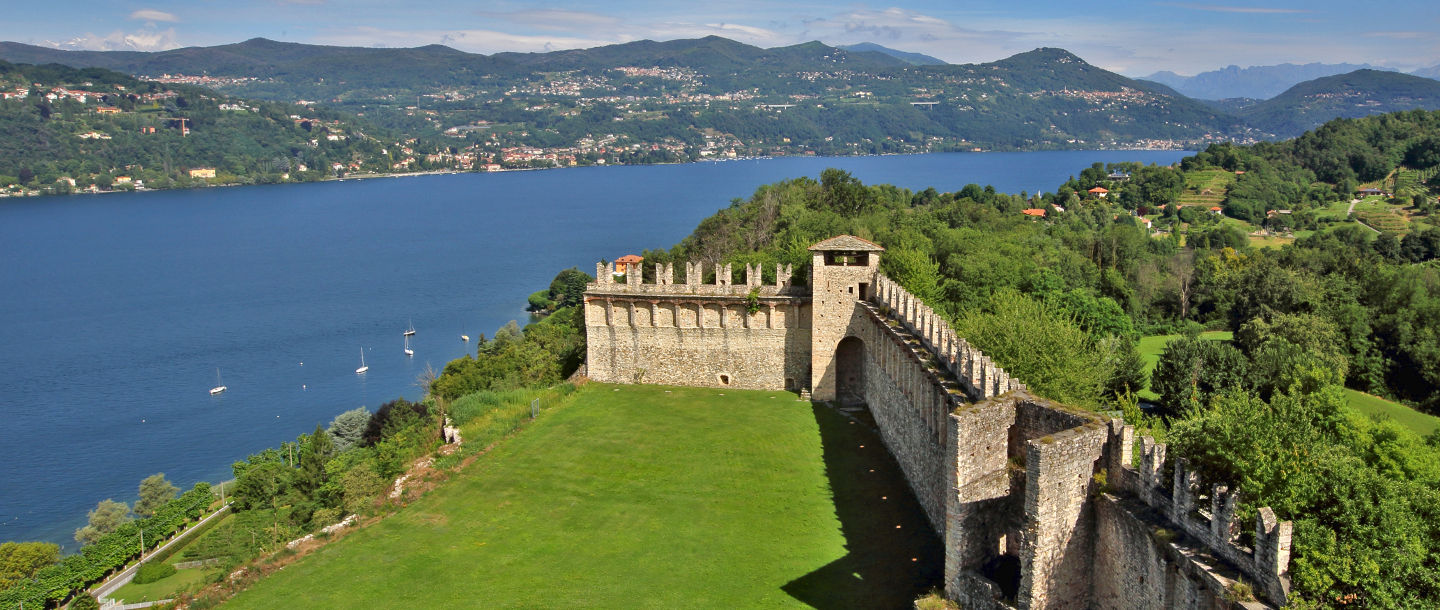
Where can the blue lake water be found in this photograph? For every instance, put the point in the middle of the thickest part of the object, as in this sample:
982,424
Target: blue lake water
117,310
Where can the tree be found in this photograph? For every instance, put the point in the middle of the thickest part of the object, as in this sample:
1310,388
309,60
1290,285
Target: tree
1129,374
568,287
108,516
21,560
360,485
348,428
155,492
1192,370
84,601
844,194
393,416
313,455
262,485
1041,346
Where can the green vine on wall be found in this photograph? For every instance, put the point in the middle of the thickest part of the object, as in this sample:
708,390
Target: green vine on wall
752,300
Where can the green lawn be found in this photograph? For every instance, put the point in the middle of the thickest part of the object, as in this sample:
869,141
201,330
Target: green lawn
165,588
644,497
1421,423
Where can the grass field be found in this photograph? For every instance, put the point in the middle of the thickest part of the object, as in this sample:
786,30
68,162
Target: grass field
644,497
165,588
1375,406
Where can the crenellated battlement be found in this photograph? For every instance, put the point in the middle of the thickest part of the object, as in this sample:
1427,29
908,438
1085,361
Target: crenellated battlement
665,282
979,374
1208,515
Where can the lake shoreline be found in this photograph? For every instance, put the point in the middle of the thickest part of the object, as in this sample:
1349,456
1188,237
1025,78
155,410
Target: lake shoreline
445,172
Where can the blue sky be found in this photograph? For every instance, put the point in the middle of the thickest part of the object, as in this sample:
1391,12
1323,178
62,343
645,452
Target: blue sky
1134,38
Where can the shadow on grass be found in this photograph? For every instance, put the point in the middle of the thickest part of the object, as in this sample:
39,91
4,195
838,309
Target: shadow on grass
885,566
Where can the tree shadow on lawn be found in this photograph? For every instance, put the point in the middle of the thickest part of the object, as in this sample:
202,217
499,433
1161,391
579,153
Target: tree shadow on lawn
886,566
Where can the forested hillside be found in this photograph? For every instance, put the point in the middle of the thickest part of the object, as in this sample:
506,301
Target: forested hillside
63,129
1060,301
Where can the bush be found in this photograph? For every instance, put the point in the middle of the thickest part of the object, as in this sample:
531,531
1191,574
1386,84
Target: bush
153,571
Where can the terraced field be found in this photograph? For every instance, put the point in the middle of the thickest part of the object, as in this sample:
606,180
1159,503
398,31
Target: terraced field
1206,187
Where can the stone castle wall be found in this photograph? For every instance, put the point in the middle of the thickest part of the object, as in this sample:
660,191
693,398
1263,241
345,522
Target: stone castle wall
697,334
1008,480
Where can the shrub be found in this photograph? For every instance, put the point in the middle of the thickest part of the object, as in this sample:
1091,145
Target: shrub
153,571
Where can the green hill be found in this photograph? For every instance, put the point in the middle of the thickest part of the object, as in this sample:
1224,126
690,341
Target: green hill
1356,94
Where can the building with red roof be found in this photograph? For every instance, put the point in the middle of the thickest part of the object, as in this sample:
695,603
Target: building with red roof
625,263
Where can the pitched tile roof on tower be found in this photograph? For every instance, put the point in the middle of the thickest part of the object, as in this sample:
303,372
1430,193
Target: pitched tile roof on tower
848,243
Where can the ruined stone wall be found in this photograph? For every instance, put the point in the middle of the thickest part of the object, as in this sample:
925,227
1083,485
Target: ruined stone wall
1192,535
1057,543
697,334
1141,566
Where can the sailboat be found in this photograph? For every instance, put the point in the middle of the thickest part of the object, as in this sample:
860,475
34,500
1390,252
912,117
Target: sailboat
464,337
219,386
410,331
408,351
363,368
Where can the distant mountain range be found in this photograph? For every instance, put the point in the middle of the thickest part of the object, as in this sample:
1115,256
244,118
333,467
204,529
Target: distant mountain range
1259,82
866,97
1353,95
917,59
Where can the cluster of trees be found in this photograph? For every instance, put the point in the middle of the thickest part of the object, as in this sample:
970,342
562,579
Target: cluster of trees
105,552
544,353
313,481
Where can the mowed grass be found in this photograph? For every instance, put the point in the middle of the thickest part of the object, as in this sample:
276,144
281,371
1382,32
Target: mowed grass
1374,406
165,588
644,497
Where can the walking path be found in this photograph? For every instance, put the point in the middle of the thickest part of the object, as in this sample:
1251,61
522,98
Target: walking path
105,589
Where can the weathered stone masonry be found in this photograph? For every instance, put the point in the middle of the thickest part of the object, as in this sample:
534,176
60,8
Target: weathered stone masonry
1007,480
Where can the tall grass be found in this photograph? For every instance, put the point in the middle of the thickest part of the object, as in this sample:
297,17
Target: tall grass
488,416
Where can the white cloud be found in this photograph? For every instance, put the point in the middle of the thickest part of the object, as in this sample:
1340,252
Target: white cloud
147,39
476,41
147,14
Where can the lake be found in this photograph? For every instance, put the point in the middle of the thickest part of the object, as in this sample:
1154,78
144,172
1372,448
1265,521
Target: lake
118,309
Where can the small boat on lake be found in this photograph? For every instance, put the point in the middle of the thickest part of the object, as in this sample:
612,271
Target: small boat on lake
410,331
408,351
363,368
219,386
464,337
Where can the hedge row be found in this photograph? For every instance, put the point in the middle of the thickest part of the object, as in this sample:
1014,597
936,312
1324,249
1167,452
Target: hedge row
94,562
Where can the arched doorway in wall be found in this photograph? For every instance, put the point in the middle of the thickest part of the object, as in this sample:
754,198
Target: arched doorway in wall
850,371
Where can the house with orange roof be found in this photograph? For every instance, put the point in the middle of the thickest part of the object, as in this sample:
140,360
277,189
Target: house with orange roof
1099,191
1215,209
1035,212
627,262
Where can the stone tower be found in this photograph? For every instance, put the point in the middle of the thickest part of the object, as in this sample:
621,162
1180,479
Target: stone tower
842,272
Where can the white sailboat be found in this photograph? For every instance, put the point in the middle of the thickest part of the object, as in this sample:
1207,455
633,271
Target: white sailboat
408,351
219,386
410,331
363,368
464,337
